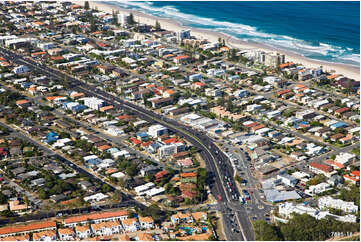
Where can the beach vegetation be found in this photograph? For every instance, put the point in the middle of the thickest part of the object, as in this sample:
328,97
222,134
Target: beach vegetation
86,5
301,227
131,20
157,26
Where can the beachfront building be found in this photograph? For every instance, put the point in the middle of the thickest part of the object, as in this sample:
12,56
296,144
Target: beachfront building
183,34
123,19
272,59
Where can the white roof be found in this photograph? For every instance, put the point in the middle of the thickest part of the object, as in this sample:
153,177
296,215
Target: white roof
144,187
155,191
90,157
118,175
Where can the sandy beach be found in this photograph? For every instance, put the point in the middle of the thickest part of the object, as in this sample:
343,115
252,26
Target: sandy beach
212,36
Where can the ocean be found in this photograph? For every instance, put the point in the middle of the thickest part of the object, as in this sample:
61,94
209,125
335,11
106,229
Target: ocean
327,31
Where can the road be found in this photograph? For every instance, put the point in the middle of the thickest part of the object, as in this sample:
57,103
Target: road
217,163
74,166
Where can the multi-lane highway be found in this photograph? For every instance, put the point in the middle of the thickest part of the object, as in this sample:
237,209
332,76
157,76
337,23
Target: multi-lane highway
237,226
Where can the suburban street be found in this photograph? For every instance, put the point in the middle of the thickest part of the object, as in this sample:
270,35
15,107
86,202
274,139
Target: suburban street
209,151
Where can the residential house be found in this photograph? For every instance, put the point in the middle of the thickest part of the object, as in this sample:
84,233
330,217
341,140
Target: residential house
189,177
106,228
354,177
317,189
130,224
83,231
66,234
329,202
321,169
182,218
144,237
49,235
200,216
96,218
146,222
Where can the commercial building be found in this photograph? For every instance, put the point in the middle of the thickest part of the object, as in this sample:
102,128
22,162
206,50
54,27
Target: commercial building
93,102
157,130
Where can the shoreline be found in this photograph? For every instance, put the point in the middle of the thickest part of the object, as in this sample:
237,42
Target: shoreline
212,36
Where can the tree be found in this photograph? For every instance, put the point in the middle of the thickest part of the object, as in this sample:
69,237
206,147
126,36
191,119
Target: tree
132,170
86,5
115,17
105,188
265,232
3,198
316,180
93,26
131,19
42,194
349,85
306,227
352,195
7,213
157,26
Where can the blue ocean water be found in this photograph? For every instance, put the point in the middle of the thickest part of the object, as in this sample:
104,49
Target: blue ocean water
328,31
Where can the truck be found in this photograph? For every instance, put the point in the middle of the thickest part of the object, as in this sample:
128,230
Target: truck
241,200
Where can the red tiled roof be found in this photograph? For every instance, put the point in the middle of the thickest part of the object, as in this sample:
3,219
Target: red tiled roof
106,108
169,141
322,167
146,144
254,128
28,227
95,216
251,125
199,83
181,57
356,173
189,194
104,147
286,65
280,93
341,110
19,102
126,116
57,58
135,141
39,53
333,163
188,174
161,174
102,44
352,178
